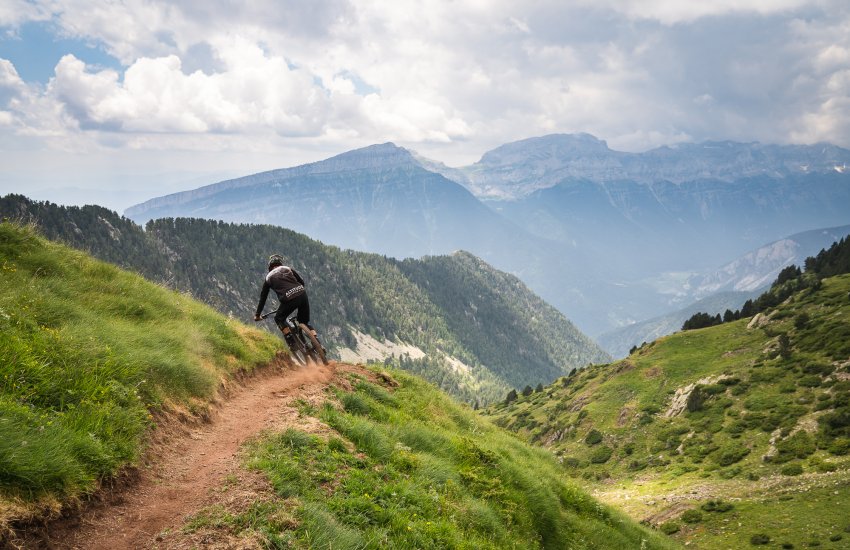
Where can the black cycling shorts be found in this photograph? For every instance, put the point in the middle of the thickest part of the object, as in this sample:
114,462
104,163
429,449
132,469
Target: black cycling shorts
301,303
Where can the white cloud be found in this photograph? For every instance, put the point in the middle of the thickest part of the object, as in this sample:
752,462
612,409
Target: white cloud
15,12
468,74
671,12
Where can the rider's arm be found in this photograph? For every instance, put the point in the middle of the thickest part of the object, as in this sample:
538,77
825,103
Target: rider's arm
264,294
298,277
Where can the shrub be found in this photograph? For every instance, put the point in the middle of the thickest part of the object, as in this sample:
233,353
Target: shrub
670,527
759,539
338,445
692,516
593,437
810,381
836,537
730,454
839,446
718,506
799,445
601,454
714,389
793,469
571,462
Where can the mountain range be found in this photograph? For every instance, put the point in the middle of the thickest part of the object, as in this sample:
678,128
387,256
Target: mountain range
605,236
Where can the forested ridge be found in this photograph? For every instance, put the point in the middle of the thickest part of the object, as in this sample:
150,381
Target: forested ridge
454,308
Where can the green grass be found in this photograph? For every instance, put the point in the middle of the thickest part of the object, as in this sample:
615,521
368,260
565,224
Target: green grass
87,353
788,518
413,469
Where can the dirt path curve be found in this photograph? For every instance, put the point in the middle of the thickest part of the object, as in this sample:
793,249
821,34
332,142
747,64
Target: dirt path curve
182,479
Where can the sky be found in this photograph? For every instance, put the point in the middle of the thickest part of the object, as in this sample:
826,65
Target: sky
115,102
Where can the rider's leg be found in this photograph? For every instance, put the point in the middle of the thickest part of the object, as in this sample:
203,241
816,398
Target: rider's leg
304,312
280,318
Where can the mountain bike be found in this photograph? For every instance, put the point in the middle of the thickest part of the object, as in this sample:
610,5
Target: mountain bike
305,346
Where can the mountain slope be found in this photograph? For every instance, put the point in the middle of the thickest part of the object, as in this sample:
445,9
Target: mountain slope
706,413
87,352
479,297
358,300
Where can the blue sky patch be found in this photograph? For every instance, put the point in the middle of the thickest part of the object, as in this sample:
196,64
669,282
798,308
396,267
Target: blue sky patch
35,49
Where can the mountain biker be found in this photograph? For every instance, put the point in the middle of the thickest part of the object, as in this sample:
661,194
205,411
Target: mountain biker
292,293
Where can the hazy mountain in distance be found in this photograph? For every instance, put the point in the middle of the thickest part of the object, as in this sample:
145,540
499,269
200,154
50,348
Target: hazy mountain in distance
516,169
686,207
377,199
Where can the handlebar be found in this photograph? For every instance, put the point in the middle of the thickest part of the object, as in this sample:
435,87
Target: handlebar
264,315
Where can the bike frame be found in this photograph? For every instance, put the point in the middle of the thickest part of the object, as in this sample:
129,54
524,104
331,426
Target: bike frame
304,342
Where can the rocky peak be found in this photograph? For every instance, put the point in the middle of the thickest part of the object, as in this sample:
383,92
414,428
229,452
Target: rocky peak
555,147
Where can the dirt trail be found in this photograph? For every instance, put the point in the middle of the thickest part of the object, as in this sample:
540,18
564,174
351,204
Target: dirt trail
190,466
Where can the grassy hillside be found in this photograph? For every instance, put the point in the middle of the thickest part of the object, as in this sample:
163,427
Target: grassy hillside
88,353
397,464
465,316
733,410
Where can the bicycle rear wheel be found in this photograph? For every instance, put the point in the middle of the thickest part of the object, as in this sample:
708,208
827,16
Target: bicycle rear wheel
314,347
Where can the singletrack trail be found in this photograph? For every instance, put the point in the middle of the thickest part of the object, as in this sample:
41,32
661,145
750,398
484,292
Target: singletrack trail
188,466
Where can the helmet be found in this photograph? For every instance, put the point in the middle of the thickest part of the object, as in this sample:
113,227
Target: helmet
275,260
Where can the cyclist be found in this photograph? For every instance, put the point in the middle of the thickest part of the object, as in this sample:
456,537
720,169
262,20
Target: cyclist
291,291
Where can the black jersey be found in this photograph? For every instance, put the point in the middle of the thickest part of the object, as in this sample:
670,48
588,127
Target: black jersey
285,281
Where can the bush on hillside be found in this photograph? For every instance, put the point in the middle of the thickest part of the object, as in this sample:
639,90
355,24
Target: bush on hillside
593,437
794,469
692,516
730,454
601,454
670,527
718,506
759,539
